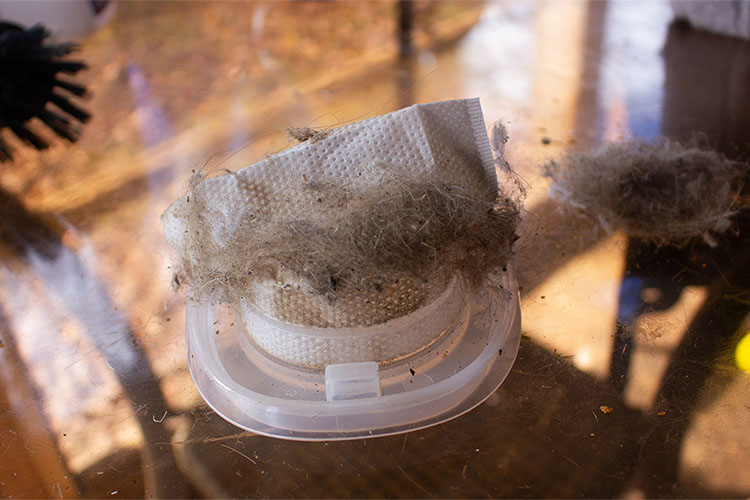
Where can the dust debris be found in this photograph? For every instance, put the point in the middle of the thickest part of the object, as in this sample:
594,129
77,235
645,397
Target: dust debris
304,134
606,409
668,193
394,239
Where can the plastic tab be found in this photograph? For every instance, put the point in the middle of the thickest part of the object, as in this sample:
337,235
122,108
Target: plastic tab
352,381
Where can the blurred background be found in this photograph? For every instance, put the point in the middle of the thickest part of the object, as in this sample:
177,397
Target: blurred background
95,396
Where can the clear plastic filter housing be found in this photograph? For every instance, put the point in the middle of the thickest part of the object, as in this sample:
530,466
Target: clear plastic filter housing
459,361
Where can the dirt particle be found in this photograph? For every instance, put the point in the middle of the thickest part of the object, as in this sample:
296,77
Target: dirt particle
304,134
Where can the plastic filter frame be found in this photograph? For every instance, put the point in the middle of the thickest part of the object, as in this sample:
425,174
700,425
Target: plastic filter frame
461,368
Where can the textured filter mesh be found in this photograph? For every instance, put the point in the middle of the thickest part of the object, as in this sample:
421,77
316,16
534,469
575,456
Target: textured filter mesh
384,342
376,301
365,224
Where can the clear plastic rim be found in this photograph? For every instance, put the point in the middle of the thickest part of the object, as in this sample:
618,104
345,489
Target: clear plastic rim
314,420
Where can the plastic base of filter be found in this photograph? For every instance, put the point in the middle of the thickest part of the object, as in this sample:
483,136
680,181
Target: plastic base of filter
356,400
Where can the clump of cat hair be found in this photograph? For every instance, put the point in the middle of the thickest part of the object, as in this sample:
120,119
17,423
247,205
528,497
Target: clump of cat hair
392,238
668,193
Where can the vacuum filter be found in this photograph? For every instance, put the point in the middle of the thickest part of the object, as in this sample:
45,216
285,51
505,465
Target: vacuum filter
357,284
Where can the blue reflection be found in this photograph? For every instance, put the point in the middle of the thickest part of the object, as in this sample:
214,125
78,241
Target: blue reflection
154,125
630,298
632,66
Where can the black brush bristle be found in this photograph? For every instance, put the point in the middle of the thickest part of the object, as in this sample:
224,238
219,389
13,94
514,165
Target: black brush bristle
4,152
66,106
59,124
29,137
71,87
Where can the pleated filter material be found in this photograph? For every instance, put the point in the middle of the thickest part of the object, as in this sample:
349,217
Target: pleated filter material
386,342
356,228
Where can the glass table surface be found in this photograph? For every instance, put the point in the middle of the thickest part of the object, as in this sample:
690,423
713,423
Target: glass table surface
633,375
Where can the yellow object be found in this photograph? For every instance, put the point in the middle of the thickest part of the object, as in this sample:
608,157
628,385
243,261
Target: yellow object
742,353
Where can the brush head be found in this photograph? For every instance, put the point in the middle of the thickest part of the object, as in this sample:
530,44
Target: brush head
31,87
